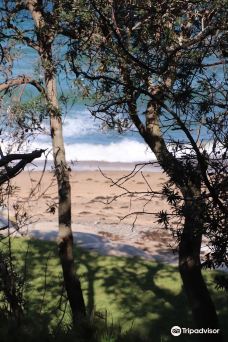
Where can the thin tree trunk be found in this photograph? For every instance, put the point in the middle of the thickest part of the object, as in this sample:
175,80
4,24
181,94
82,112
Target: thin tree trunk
65,238
45,37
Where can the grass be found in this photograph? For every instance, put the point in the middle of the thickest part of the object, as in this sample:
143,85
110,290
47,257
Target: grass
142,296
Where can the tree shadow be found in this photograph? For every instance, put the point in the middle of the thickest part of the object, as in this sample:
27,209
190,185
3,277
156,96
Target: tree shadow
37,261
139,299
144,296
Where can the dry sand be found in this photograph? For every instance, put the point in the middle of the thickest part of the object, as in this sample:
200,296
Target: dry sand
98,209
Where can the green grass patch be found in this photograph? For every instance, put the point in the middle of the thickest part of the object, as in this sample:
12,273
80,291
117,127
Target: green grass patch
142,296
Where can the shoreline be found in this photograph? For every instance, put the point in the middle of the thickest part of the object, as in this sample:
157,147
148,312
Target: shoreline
95,165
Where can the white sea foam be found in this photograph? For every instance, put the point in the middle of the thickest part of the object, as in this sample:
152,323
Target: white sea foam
124,151
79,125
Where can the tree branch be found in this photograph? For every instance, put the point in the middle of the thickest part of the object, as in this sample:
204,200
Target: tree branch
22,80
25,159
200,159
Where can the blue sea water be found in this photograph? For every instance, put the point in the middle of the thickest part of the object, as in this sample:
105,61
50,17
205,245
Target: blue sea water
85,140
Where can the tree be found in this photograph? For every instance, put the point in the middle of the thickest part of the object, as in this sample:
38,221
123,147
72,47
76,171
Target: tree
160,67
36,25
10,281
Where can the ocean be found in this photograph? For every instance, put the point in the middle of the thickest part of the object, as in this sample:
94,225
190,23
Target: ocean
86,142
85,139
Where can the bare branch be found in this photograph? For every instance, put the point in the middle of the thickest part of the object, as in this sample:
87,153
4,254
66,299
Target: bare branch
16,169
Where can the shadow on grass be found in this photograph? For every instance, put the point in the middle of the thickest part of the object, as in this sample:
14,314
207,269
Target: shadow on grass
143,296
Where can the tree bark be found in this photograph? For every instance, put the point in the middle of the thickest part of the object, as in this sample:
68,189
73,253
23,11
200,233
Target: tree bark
45,38
65,238
189,183
199,298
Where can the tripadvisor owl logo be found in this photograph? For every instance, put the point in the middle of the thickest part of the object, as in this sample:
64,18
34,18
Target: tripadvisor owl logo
176,331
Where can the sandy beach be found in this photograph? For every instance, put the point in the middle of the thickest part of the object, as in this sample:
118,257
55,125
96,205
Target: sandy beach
105,217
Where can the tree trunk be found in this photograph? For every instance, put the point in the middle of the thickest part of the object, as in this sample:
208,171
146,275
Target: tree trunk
45,36
65,238
202,307
189,183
